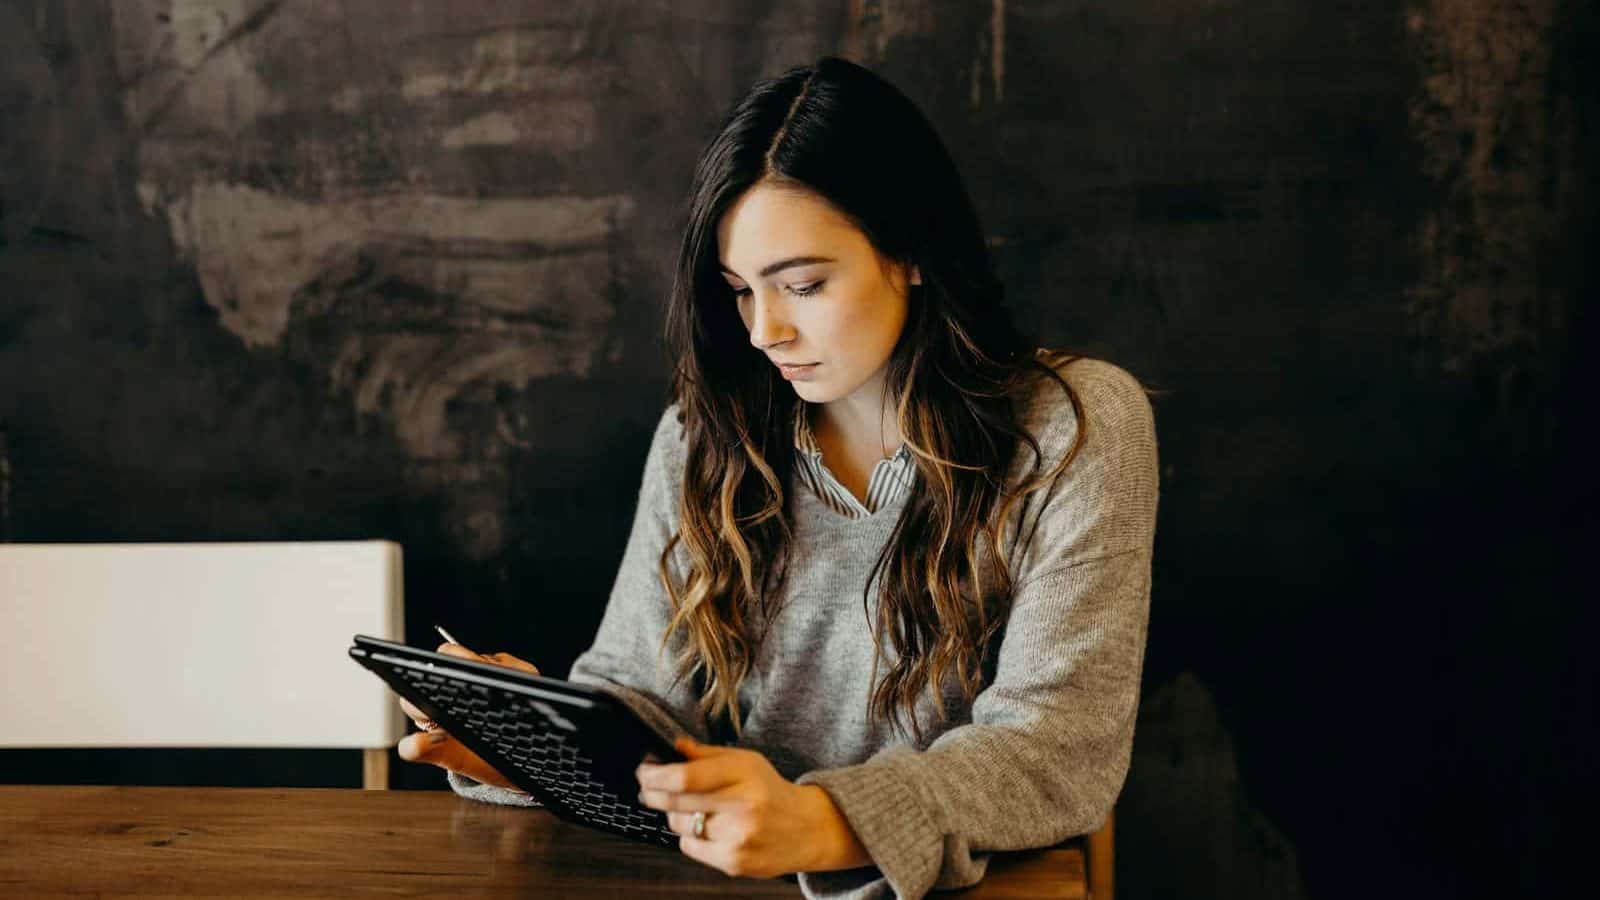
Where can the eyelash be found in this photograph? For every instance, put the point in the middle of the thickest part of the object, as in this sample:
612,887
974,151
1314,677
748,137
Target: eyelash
806,291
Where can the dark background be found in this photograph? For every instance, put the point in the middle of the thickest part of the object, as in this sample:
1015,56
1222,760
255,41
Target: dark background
275,271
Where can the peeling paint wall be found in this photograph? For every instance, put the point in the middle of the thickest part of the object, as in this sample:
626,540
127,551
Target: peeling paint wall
293,200
368,269
1499,146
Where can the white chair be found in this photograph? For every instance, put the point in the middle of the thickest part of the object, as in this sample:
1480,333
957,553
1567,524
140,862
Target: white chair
198,645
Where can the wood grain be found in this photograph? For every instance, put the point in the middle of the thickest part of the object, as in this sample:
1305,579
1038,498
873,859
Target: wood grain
137,842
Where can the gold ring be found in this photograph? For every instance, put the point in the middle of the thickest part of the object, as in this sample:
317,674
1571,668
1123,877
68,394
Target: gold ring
700,825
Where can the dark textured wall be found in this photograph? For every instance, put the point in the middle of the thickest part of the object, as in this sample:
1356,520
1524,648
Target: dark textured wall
275,270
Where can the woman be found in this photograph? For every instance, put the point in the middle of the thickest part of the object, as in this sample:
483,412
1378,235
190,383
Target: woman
889,573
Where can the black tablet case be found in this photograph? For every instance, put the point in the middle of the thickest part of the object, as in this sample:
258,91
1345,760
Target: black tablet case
573,747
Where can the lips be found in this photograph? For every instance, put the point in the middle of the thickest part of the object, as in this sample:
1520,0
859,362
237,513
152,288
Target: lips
798,371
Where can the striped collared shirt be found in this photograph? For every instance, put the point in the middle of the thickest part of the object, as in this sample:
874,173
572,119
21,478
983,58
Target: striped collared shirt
891,477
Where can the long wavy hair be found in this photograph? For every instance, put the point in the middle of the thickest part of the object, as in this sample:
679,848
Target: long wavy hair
956,375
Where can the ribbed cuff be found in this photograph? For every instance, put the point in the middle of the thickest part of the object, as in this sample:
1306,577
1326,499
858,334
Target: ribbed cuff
472,789
890,822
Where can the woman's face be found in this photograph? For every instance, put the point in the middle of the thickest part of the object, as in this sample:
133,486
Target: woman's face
815,295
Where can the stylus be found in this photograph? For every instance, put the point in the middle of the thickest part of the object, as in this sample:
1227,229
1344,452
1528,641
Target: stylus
445,634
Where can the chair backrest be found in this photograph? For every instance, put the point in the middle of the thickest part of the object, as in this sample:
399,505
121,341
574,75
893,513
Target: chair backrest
195,645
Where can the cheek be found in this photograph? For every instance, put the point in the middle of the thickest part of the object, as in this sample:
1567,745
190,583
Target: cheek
871,326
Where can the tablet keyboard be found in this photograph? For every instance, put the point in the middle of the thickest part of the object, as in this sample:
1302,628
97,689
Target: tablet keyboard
541,752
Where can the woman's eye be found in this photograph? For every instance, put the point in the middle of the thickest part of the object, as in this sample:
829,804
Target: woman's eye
803,290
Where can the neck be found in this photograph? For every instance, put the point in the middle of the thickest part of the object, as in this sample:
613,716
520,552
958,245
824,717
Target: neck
864,418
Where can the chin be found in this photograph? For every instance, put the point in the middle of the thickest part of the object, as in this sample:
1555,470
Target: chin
812,392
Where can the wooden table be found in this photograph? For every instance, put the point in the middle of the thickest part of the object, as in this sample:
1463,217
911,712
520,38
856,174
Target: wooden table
252,842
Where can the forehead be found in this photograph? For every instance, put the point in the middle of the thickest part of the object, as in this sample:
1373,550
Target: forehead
770,222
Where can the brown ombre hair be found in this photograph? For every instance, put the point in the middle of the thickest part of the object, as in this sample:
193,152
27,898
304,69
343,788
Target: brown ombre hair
956,377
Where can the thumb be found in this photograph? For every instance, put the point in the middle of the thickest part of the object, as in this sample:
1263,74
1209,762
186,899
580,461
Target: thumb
424,746
440,749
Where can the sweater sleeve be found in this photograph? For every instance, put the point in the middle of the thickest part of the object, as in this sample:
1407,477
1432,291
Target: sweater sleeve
1047,749
622,659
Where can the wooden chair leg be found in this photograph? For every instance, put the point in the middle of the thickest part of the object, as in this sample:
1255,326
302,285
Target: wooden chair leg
1102,860
375,769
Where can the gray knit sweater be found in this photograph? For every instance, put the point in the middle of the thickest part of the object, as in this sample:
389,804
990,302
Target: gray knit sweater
1042,752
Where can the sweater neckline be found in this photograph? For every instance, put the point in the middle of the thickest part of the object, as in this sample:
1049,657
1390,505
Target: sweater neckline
819,511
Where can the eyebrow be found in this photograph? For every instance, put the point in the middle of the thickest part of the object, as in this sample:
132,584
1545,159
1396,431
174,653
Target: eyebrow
782,264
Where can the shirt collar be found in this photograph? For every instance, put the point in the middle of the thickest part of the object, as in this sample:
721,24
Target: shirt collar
805,440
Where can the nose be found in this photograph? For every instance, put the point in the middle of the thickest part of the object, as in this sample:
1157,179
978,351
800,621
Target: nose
767,328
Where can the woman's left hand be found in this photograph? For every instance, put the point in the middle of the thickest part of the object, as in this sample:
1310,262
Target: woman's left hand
757,823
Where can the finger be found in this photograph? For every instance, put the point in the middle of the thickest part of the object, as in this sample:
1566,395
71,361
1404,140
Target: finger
701,776
500,659
693,752
726,800
703,850
682,823
693,749
449,649
506,659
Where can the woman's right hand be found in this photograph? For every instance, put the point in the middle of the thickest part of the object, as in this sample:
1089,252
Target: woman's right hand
432,744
